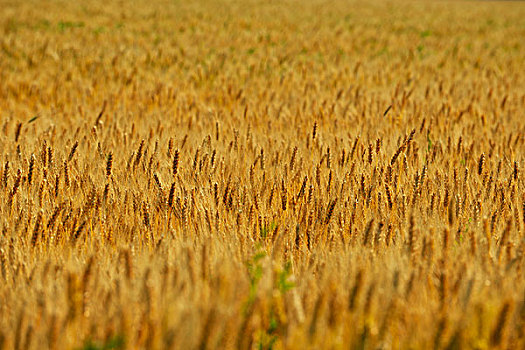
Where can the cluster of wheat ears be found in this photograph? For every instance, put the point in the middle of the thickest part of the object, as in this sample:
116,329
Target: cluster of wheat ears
262,175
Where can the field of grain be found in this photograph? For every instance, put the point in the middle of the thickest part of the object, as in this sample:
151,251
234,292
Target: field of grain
262,175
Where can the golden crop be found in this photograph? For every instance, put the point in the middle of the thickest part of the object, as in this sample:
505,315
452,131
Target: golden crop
262,175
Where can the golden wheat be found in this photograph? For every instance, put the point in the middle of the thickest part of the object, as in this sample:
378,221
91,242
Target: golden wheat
262,175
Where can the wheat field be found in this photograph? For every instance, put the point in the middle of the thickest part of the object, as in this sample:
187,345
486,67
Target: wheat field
262,175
